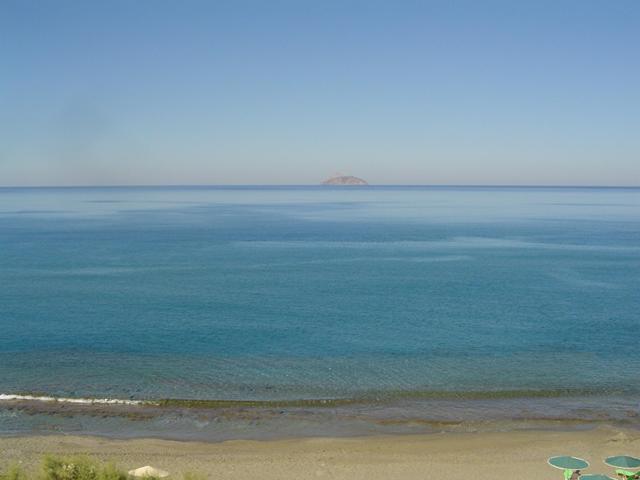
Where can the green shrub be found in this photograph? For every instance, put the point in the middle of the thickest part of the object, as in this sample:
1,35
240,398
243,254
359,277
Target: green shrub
79,468
14,472
110,472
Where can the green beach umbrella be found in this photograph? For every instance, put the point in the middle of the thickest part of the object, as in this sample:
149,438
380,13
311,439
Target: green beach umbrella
623,461
568,463
595,477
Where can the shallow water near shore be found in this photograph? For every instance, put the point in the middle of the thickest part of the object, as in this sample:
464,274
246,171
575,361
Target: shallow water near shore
231,422
416,307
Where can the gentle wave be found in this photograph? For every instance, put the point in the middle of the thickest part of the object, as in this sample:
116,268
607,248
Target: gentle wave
6,397
371,398
454,242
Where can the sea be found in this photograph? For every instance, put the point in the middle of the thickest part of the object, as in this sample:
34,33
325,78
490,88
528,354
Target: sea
210,312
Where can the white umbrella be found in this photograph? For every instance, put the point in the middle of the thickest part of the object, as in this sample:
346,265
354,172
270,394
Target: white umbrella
148,472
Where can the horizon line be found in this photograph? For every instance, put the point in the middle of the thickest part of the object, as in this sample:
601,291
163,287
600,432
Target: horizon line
275,185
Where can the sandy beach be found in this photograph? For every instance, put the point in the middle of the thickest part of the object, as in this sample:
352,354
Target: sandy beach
512,455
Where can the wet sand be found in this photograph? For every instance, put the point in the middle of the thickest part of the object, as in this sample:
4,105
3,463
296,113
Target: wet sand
502,455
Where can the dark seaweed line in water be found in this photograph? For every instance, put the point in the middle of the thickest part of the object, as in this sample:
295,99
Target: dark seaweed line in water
378,397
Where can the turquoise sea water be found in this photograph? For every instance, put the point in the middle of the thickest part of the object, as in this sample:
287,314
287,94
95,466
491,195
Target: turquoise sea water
272,293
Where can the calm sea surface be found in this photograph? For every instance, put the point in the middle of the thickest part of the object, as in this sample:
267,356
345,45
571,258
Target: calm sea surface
286,293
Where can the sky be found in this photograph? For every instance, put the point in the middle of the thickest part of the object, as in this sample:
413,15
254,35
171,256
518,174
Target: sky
291,92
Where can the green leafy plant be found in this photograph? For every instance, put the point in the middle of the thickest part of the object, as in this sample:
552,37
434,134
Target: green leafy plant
14,472
79,468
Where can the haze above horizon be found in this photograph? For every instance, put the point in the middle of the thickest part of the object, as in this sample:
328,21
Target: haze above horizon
287,93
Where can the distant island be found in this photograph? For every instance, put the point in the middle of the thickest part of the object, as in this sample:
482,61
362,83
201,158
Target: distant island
345,180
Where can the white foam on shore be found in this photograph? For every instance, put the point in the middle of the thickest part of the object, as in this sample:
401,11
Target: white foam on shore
6,397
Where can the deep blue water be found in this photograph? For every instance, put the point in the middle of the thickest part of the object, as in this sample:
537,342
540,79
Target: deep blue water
316,292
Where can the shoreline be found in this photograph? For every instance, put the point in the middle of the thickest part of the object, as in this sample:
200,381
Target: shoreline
193,421
363,397
486,455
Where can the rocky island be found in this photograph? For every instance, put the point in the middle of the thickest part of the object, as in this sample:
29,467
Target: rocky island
345,180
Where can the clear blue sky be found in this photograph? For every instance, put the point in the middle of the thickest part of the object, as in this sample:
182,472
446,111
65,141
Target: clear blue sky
243,92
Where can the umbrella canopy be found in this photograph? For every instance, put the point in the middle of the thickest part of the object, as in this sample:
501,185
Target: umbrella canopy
568,463
623,461
148,472
595,477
